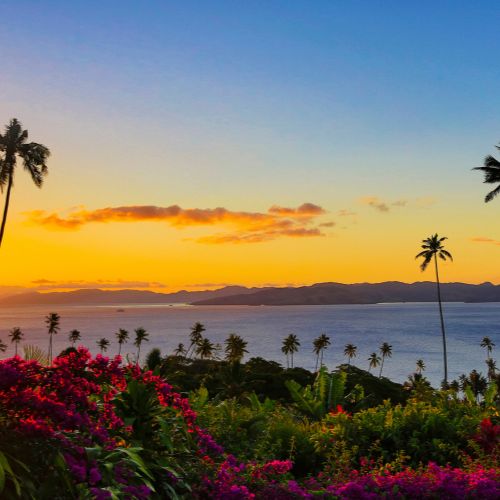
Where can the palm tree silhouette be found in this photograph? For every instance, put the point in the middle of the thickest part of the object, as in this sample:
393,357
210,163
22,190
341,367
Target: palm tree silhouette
52,322
122,337
491,169
235,348
320,344
432,249
290,345
195,336
3,347
205,349
385,351
74,336
13,145
420,366
492,368
103,345
488,344
140,336
16,335
180,350
374,361
350,352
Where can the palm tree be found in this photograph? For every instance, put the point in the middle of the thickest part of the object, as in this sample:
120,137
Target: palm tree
103,345
122,337
205,349
3,347
374,361
432,249
195,336
13,145
52,322
290,345
74,336
491,169
386,351
492,368
140,336
420,366
16,335
350,352
320,344
180,350
488,344
235,348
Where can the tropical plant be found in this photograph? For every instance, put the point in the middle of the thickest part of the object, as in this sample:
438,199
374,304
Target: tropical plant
195,337
103,345
420,366
52,322
153,359
141,335
180,350
3,347
386,352
13,146
374,361
74,337
16,335
320,344
491,169
488,344
205,349
350,351
290,345
35,353
492,368
432,249
235,348
122,337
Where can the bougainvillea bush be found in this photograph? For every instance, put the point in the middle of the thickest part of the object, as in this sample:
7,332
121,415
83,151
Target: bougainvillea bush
92,428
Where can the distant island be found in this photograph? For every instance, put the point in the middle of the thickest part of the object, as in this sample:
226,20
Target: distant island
317,294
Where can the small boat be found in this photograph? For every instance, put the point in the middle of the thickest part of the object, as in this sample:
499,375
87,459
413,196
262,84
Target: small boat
120,310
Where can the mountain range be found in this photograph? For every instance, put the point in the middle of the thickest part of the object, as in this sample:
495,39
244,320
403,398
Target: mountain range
317,294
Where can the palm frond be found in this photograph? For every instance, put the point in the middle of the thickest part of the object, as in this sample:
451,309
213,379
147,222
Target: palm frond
33,352
446,254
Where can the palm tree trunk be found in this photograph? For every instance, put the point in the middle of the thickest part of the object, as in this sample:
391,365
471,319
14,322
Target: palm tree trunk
317,362
138,353
291,358
445,357
321,362
50,349
15,349
381,367
5,209
119,349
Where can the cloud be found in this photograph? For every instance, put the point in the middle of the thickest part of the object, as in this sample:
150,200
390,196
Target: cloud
44,284
251,227
346,213
376,203
327,224
386,206
399,203
480,239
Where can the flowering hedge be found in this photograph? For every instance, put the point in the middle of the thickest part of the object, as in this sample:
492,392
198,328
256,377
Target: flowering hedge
93,428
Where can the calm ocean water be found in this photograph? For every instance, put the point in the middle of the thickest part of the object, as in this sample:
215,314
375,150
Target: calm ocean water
412,329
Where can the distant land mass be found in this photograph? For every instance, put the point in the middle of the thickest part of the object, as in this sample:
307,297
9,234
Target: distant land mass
318,294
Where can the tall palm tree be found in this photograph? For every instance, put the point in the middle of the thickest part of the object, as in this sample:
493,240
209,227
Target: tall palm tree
290,345
235,349
386,352
491,169
488,344
74,337
52,321
420,366
180,350
3,347
320,344
195,336
141,335
103,345
350,352
13,146
285,349
432,249
122,337
374,360
16,335
205,349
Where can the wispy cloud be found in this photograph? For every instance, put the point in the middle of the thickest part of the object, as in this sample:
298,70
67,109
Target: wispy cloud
250,227
386,206
346,213
481,239
45,284
376,203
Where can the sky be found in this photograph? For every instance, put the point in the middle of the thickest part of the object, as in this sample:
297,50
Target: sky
196,144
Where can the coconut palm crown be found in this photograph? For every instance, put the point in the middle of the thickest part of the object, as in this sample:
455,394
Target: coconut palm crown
491,169
16,335
14,146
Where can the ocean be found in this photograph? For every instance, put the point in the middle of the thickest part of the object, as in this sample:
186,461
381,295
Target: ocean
412,329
